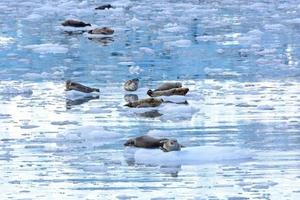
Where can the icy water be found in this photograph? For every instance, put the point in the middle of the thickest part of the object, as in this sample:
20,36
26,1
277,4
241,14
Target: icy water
241,127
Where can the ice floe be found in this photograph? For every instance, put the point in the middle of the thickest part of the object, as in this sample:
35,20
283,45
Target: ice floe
12,91
47,48
74,95
190,155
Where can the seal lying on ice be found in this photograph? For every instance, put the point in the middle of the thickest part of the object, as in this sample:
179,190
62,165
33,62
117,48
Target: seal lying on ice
143,103
70,85
131,85
103,31
75,23
146,141
168,85
170,92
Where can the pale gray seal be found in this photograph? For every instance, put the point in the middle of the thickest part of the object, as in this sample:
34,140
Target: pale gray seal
168,85
143,103
170,92
103,31
146,141
70,85
75,23
131,85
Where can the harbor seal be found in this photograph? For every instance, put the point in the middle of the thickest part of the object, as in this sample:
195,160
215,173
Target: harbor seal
170,92
105,6
144,103
149,142
131,85
70,85
168,85
75,23
103,31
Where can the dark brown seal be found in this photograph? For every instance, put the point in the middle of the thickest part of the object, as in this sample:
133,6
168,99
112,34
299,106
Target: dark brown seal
70,85
143,103
170,92
103,31
103,7
75,23
149,142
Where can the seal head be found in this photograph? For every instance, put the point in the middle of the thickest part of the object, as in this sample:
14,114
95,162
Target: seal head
131,85
170,145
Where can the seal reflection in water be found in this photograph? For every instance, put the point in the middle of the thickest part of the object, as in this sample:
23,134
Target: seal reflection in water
131,85
104,41
70,85
144,103
75,23
131,97
149,142
170,92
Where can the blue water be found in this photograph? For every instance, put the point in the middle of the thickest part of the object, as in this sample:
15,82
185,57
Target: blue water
239,58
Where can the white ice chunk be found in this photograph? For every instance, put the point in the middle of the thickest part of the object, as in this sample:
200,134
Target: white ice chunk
74,94
192,155
179,43
15,91
47,48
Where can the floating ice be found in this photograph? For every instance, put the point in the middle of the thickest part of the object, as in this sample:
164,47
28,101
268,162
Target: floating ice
265,107
65,122
47,48
36,75
74,94
135,70
5,40
97,132
174,28
33,17
179,43
135,22
146,50
192,155
15,91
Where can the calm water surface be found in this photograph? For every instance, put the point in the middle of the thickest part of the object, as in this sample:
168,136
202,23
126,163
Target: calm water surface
239,58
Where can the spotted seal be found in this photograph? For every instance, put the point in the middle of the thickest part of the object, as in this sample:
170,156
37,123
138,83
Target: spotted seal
170,92
149,142
143,103
75,23
70,85
131,85
168,85
103,31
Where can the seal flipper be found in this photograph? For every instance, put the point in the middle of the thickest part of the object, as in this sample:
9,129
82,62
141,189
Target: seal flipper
163,149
